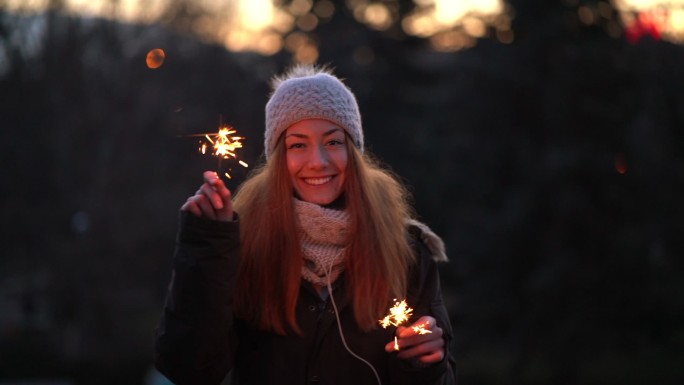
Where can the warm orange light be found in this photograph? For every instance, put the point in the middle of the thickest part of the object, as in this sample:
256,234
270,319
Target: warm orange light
420,329
224,143
155,58
398,314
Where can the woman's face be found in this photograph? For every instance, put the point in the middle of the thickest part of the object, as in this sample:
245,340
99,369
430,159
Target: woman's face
316,159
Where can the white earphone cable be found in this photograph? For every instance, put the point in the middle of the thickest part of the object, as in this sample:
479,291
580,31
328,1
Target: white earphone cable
339,326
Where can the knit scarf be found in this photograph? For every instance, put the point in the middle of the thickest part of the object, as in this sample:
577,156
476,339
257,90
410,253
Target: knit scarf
324,236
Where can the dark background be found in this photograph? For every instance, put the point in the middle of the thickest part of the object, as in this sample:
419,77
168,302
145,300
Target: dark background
553,168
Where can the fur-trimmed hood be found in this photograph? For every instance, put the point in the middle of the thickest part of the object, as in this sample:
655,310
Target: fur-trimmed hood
433,242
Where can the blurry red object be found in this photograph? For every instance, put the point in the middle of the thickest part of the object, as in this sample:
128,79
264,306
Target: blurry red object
644,25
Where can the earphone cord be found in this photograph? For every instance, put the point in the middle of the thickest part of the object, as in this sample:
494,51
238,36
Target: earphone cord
339,326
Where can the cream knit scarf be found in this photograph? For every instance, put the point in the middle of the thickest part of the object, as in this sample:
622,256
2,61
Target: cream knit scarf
324,236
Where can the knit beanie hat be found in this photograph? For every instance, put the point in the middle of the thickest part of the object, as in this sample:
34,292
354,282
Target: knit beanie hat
309,92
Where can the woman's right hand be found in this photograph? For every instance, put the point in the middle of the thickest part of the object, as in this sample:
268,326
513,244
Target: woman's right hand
212,200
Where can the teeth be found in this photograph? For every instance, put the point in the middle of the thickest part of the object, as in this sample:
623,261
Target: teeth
317,181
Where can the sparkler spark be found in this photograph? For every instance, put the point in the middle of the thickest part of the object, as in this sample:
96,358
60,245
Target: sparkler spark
420,329
398,314
224,143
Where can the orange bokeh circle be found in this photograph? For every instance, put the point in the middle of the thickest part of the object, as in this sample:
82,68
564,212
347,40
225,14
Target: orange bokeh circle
155,58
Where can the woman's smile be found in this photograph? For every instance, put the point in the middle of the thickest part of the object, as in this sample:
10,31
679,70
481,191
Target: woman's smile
316,160
317,181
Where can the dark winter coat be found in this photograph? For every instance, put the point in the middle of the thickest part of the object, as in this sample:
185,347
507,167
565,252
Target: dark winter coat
199,341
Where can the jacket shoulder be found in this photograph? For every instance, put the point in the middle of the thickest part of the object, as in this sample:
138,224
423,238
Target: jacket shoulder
434,244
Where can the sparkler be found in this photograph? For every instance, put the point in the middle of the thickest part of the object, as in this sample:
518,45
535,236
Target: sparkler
223,145
398,314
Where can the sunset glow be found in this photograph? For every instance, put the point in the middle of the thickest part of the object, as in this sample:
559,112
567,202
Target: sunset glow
263,26
255,15
455,25
664,17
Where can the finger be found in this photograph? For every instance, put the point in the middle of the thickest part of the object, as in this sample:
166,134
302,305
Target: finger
212,196
225,212
426,348
192,207
389,347
220,198
217,184
411,334
426,323
418,339
205,206
419,344
198,206
210,176
212,179
212,183
392,345
433,358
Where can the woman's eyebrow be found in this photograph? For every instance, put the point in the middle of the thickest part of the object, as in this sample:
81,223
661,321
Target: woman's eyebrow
330,132
300,135
296,134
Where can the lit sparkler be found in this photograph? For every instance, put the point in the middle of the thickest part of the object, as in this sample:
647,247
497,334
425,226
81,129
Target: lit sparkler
398,314
223,145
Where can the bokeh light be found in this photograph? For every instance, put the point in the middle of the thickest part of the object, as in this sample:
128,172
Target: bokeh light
324,9
155,58
263,26
455,25
255,15
375,15
661,19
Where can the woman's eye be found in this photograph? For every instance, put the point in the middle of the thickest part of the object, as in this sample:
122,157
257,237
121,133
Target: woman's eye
295,145
335,142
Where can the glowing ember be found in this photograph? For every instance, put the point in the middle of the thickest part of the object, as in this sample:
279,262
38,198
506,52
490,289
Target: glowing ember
223,144
398,314
420,329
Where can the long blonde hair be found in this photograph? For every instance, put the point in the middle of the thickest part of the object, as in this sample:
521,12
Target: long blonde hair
377,261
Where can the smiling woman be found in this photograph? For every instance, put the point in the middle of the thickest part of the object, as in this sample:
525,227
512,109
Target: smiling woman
317,160
295,272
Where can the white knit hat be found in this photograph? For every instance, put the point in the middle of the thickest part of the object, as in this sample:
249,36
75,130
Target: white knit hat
310,92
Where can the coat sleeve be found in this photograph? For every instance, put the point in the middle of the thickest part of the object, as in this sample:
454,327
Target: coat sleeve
195,340
425,296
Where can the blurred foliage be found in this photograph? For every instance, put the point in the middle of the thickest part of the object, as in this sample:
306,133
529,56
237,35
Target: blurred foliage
552,167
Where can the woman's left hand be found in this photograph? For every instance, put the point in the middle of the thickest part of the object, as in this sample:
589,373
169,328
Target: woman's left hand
427,348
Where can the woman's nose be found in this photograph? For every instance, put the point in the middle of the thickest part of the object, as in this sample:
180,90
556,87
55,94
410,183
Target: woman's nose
318,157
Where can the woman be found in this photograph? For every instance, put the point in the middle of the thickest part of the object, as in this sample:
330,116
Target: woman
291,291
